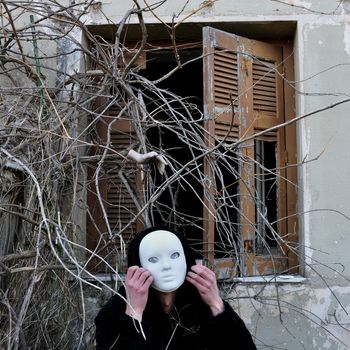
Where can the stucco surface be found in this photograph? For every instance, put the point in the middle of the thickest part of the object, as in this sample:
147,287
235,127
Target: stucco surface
326,152
225,8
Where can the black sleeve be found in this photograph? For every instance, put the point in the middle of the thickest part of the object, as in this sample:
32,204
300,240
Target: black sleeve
226,331
116,330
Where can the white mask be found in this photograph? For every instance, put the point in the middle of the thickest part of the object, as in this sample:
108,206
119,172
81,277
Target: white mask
162,254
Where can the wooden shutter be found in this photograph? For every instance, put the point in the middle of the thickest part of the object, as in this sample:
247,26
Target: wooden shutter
110,228
245,75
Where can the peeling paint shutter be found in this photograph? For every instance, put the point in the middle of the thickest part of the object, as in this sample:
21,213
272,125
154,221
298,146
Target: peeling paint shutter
225,91
225,77
116,178
264,88
245,75
121,208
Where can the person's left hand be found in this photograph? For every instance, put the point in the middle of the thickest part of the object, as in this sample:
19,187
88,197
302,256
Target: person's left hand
205,281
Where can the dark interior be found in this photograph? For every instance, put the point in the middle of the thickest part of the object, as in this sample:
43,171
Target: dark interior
186,82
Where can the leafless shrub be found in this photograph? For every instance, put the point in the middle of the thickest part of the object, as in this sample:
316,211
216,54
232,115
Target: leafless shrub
50,138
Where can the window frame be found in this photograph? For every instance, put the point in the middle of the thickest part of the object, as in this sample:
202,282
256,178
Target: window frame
243,122
253,264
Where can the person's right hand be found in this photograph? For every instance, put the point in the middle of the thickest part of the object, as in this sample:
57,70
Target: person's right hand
137,282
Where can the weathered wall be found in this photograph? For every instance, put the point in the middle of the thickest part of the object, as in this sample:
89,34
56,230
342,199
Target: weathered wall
311,314
222,9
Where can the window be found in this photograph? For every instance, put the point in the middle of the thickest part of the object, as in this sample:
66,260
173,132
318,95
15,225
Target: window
247,75
239,211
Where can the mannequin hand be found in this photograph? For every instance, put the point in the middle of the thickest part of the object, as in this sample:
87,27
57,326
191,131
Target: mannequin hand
137,282
205,281
160,164
147,158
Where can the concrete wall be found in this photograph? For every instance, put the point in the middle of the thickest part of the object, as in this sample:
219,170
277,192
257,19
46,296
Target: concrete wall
311,313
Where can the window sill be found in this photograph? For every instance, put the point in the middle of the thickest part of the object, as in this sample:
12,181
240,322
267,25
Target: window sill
270,279
294,279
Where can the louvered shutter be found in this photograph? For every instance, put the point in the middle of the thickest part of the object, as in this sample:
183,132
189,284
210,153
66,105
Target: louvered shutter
243,74
225,91
119,184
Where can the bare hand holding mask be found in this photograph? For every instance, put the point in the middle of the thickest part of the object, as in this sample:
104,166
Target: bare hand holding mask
205,281
163,265
137,282
161,258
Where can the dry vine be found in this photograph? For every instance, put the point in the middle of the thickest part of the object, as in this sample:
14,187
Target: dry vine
49,140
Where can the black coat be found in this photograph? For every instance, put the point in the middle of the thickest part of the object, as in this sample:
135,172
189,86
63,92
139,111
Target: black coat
190,326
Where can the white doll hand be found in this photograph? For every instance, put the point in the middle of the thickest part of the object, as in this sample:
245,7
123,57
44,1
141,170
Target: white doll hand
147,158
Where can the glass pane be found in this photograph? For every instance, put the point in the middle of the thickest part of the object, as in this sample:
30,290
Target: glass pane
266,196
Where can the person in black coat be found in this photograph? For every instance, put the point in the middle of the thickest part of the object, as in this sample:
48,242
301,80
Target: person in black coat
172,303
